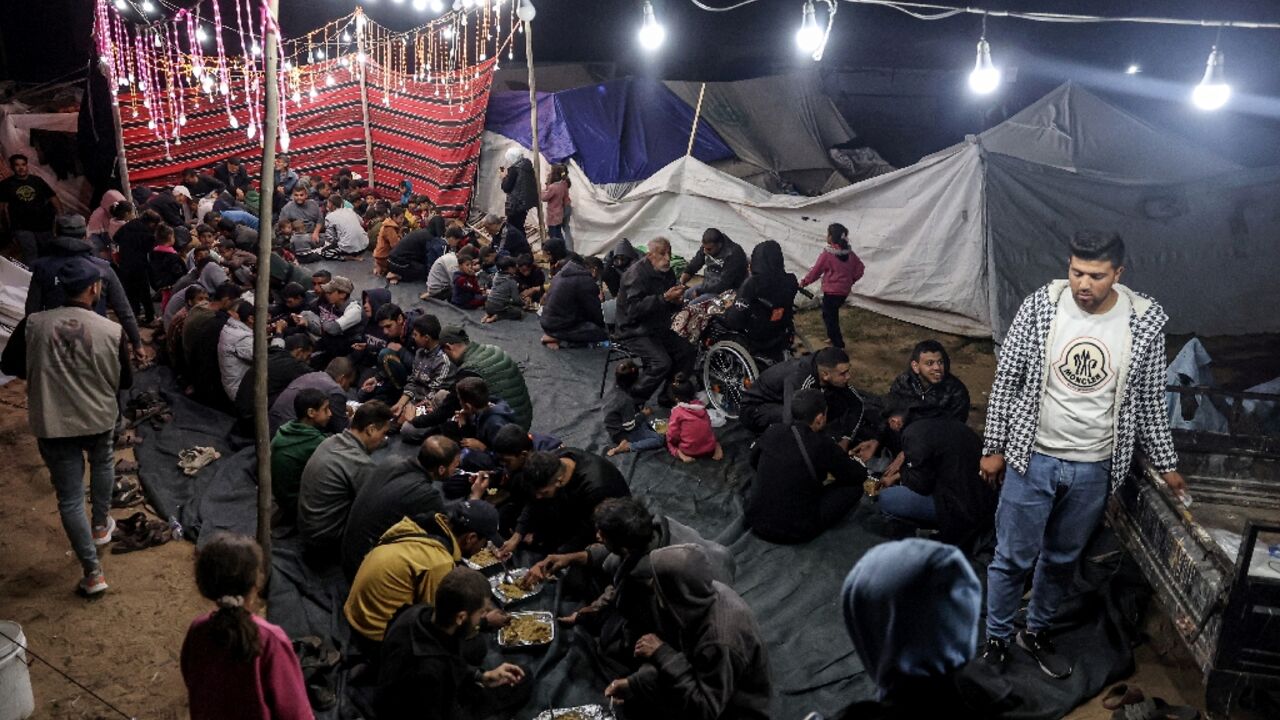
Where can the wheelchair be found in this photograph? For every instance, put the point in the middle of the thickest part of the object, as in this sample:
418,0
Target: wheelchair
727,364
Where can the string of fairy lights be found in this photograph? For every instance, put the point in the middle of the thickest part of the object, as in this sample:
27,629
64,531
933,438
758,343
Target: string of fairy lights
162,61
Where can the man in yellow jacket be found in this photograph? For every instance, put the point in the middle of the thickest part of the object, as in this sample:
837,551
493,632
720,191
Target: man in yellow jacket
408,564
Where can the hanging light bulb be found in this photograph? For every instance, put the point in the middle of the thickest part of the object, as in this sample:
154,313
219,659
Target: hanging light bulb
182,120
284,138
420,5
447,33
235,124
346,36
362,58
1213,91
344,62
320,53
206,83
312,93
223,88
809,36
437,6
361,21
252,130
256,50
526,11
457,5
1133,69
148,6
288,65
985,77
201,34
329,81
651,32
151,124
296,97
121,5
468,4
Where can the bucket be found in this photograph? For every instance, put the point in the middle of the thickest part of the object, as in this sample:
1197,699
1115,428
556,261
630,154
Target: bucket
16,701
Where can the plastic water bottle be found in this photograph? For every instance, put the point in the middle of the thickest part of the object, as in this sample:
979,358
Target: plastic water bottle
175,527
604,344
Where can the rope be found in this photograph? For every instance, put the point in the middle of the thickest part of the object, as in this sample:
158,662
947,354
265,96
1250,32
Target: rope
70,679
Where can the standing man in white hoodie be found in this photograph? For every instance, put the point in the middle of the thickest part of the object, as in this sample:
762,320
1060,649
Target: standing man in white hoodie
1080,380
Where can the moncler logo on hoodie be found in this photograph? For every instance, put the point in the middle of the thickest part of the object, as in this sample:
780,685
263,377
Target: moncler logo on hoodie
1085,365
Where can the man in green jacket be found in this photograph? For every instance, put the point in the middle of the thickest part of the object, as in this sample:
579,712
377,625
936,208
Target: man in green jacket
292,447
498,370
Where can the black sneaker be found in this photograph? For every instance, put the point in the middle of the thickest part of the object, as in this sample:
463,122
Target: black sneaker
995,653
1051,662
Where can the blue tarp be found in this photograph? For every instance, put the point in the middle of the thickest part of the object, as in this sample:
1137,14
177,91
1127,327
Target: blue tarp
618,131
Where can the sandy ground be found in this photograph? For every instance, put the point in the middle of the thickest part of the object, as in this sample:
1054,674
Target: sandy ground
125,645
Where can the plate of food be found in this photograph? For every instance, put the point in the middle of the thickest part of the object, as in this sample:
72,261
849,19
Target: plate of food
528,629
582,712
512,587
483,560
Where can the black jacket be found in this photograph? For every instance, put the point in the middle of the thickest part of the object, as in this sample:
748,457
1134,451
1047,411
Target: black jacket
778,384
231,181
206,184
166,268
941,460
725,270
423,673
521,186
616,263
574,298
641,308
621,414
564,522
44,293
511,240
389,492
949,398
168,207
784,498
135,239
765,304
282,369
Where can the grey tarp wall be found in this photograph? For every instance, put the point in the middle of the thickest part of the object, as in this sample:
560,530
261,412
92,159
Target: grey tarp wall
1207,249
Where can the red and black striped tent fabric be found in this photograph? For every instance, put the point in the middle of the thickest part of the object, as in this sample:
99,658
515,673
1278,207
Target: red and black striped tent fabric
428,133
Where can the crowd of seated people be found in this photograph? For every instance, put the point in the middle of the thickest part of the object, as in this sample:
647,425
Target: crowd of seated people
347,369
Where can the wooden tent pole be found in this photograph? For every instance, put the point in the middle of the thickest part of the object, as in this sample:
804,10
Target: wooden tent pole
262,289
533,126
364,97
697,113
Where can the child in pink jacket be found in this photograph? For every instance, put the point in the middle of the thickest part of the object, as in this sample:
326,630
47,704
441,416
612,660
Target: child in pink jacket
689,433
839,269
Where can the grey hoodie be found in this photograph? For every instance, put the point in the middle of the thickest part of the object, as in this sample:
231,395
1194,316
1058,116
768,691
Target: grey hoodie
712,664
329,485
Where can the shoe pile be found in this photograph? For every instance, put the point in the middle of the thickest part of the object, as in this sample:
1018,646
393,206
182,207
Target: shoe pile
126,493
193,459
319,659
138,532
148,406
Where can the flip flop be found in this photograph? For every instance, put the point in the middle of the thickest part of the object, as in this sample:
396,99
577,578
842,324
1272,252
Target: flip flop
1120,695
1155,709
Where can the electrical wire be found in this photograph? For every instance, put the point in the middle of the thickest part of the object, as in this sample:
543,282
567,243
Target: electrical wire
70,679
932,11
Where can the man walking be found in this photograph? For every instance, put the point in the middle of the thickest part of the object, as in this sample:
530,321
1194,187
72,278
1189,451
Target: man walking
76,362
28,206
1080,379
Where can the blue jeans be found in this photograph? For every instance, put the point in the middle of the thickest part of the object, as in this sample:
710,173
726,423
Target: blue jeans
644,438
902,502
1050,513
65,460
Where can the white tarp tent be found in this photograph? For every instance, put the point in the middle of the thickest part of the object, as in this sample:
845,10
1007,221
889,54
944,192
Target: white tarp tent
16,124
956,240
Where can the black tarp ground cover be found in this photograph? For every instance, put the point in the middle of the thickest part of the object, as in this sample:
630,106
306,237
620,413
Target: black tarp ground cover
794,590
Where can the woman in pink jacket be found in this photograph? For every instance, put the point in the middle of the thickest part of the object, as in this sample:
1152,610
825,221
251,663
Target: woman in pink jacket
839,269
689,433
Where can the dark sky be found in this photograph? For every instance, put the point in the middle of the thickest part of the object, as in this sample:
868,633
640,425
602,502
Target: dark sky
52,37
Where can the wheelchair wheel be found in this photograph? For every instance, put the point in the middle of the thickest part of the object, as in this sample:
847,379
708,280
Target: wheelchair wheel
727,371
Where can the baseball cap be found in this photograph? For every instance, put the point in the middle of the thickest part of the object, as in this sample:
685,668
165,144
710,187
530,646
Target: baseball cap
182,191
479,517
71,225
339,284
453,334
77,274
